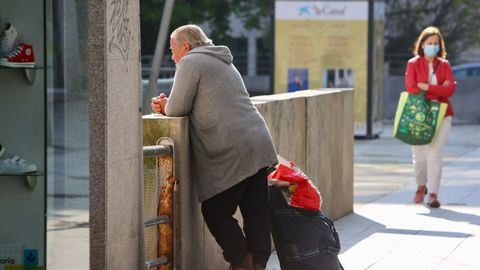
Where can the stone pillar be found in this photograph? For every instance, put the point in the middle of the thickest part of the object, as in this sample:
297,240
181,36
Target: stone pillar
115,134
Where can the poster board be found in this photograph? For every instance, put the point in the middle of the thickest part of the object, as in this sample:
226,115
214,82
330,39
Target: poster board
325,44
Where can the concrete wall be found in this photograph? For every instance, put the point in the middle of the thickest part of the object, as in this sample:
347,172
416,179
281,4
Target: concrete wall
115,134
464,101
312,128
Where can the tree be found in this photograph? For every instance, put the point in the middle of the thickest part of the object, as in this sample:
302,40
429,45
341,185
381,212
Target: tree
405,19
184,11
213,12
252,12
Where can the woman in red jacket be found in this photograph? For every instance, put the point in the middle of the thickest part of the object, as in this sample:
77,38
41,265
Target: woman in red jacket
429,71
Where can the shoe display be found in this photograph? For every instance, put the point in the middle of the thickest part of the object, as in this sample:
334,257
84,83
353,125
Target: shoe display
16,165
419,194
8,39
21,57
433,200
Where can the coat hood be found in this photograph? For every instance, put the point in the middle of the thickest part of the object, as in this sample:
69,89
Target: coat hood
220,52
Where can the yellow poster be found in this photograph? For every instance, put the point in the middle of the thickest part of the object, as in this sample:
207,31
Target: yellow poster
323,44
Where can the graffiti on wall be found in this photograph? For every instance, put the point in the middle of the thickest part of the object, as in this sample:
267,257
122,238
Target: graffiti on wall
120,26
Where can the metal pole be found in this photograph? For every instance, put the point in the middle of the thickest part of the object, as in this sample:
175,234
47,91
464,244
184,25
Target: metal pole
156,150
157,56
370,70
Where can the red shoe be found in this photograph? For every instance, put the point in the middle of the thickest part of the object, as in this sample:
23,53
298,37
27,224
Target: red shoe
433,200
20,57
419,194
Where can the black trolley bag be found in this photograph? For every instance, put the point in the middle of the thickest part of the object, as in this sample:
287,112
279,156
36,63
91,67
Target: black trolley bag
304,240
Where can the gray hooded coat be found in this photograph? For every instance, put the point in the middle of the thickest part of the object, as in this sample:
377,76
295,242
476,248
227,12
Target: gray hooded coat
230,140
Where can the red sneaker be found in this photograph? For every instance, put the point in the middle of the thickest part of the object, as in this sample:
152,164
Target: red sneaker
433,200
419,194
20,57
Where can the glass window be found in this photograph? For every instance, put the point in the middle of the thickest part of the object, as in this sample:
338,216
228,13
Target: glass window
67,135
22,134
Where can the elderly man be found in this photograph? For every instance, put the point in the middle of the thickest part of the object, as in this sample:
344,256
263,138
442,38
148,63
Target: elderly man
232,146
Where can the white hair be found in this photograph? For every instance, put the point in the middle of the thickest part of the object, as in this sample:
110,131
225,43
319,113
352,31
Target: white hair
192,34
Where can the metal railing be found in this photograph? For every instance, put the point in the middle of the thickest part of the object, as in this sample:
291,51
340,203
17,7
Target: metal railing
165,173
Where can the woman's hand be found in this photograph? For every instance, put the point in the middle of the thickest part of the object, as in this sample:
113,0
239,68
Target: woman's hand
422,86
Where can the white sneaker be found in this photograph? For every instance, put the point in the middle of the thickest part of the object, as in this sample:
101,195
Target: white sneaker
8,39
16,165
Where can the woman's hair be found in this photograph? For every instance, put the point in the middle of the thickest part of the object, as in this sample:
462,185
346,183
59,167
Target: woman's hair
426,33
192,35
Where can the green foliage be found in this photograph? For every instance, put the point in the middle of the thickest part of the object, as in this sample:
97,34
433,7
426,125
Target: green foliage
214,12
457,20
252,12
184,12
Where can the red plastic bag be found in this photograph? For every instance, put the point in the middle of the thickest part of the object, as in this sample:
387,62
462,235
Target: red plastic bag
297,189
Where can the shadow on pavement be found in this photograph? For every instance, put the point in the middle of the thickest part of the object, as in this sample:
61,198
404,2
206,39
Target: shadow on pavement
425,233
455,216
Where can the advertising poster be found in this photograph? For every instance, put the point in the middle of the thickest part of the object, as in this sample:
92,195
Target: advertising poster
297,79
329,41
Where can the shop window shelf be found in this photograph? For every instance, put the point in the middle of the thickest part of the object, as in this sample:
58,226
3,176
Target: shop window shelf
30,73
30,178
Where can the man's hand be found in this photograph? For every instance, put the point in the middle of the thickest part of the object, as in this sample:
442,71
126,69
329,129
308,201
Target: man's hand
158,103
422,86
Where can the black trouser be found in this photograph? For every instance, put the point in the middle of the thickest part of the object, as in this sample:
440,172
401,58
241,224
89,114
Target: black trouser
251,195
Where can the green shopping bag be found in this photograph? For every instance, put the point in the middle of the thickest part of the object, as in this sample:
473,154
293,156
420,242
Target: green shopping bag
417,119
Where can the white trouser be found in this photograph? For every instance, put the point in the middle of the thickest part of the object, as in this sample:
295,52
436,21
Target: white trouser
427,159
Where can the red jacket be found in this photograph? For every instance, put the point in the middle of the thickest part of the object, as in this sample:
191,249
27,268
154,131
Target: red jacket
417,71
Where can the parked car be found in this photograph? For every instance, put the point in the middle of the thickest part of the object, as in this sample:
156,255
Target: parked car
466,70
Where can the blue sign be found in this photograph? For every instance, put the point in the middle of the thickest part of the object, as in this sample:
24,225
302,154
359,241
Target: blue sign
30,257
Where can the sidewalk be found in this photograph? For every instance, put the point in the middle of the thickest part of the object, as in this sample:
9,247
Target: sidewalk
388,231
